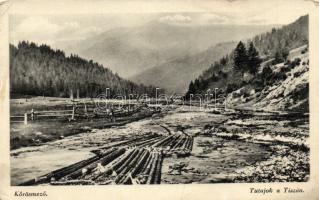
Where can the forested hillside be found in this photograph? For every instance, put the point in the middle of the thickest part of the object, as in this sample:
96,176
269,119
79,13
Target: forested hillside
40,70
236,68
267,60
283,39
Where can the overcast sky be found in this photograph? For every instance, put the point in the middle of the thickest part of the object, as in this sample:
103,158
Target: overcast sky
45,21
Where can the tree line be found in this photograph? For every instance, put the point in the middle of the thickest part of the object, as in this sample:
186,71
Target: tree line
242,60
40,70
246,58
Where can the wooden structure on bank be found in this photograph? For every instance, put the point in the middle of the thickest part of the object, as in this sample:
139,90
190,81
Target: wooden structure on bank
78,111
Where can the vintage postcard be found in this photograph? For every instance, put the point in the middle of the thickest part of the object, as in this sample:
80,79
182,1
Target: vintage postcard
159,99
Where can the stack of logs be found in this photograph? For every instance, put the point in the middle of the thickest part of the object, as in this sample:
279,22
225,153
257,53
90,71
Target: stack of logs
136,161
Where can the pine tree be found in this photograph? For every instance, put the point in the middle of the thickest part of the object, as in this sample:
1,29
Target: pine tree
266,73
240,58
281,55
253,59
191,90
224,60
196,85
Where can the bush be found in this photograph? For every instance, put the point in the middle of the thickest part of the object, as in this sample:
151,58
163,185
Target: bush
288,62
269,77
279,76
246,94
280,56
225,75
214,78
285,69
257,81
267,72
231,87
295,63
243,83
258,89
304,51
297,74
301,92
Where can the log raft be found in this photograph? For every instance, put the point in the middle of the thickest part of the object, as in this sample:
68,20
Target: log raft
135,161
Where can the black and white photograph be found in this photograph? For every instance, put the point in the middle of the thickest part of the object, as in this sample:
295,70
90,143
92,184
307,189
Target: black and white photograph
176,97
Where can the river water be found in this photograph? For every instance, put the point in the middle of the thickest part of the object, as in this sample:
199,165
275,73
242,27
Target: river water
213,159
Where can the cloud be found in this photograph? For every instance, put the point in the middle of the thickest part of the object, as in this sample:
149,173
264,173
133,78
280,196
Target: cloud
175,19
212,18
43,29
257,21
72,25
37,24
34,28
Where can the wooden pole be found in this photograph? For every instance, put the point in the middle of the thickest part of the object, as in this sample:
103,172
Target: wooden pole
32,114
73,111
71,94
77,94
106,89
25,118
215,97
226,103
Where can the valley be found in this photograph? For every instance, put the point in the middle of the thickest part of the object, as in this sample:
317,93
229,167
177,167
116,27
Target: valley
231,146
180,108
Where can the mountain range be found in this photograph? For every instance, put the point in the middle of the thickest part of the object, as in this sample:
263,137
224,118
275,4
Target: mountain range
174,75
138,53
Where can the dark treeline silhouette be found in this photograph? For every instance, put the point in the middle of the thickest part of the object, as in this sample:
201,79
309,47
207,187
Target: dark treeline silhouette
228,73
281,40
246,60
241,60
40,70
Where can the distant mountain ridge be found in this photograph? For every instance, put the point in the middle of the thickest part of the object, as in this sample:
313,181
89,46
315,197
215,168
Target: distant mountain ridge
132,50
174,76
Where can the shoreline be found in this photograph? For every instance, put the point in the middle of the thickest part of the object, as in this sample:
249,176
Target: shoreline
39,133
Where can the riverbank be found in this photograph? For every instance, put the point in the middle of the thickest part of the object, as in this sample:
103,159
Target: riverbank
39,132
285,134
228,146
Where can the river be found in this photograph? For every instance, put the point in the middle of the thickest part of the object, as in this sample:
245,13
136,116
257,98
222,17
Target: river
213,159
